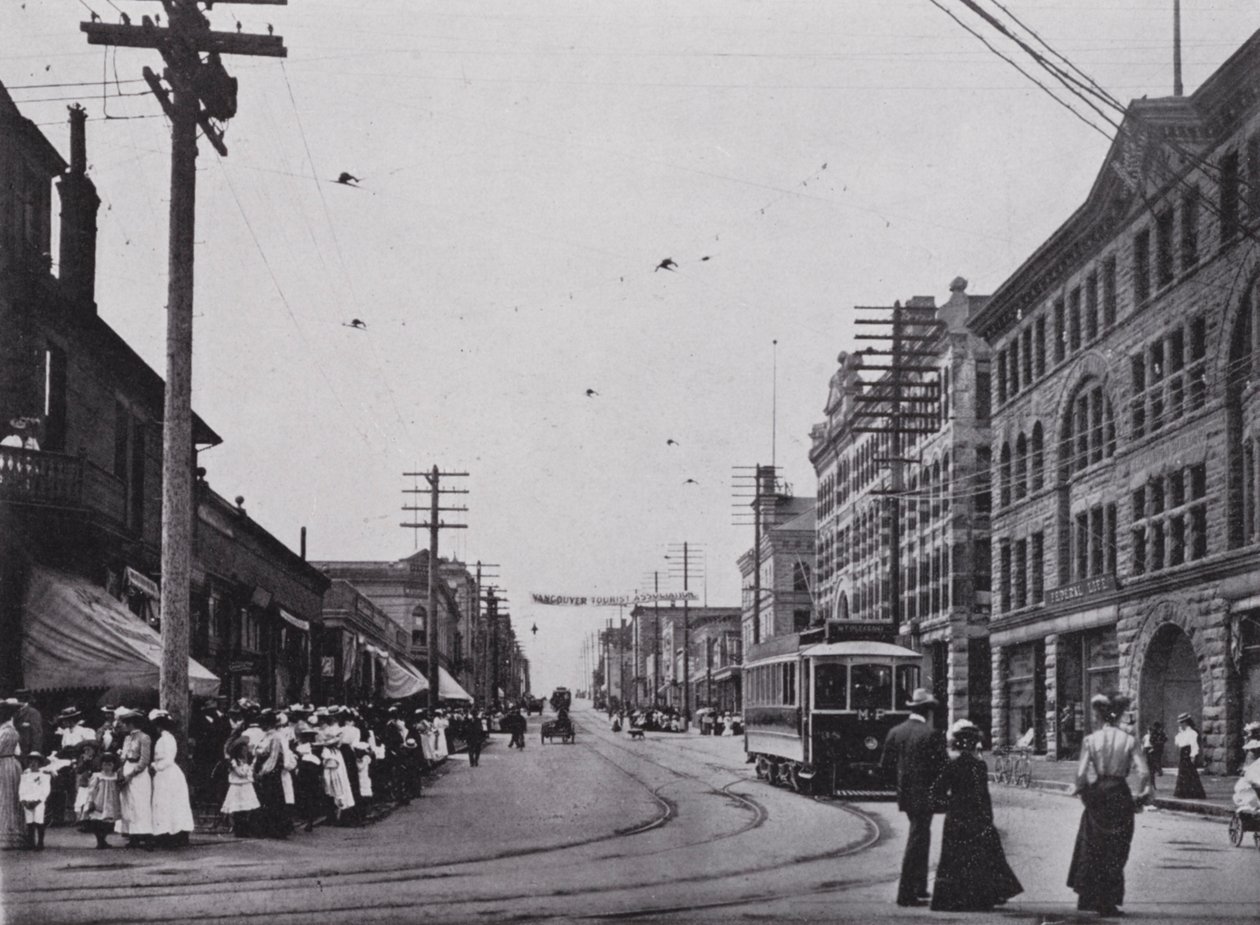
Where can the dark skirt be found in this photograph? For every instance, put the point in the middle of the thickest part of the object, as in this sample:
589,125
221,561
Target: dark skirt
972,875
1188,787
271,819
1102,845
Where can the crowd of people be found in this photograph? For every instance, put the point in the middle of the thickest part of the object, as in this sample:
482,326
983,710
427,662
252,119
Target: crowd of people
669,719
267,771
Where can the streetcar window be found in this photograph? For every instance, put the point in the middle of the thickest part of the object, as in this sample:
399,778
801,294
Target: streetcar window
872,687
831,687
907,681
789,684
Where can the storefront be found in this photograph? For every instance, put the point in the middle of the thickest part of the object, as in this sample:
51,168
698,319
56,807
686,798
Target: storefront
1024,683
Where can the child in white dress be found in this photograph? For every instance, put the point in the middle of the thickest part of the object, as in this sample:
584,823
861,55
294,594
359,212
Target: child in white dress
241,800
33,789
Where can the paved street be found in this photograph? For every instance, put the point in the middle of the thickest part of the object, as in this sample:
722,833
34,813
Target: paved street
672,828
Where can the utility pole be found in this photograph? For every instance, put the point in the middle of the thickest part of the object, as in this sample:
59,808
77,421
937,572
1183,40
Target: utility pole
686,666
762,486
656,620
479,635
199,91
434,524
903,402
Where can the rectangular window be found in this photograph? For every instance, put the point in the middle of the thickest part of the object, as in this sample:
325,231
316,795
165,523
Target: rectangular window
1176,540
1097,541
1013,366
1155,373
1141,267
983,565
1139,503
1109,292
1165,266
1111,539
1001,378
1039,346
1004,564
984,398
1060,330
1028,356
1074,319
1038,565
1190,229
1137,407
1091,307
1081,545
1021,574
1198,531
1139,550
1157,545
984,480
54,440
1197,366
1228,183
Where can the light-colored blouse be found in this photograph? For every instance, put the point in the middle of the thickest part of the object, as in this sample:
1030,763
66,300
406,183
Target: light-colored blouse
1188,736
1111,752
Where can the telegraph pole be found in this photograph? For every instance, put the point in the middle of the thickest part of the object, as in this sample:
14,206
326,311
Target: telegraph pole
199,91
764,480
479,635
434,524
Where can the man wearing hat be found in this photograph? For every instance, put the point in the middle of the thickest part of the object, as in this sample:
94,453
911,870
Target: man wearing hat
914,754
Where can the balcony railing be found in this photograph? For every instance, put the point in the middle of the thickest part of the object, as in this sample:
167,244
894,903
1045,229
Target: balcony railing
55,480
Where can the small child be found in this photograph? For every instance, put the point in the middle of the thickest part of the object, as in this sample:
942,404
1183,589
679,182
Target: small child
84,768
33,790
241,800
308,779
104,807
1153,744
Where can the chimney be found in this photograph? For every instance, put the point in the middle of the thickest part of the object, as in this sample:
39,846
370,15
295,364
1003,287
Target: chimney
79,204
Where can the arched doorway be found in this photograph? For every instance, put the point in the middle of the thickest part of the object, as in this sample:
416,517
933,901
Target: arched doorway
1170,682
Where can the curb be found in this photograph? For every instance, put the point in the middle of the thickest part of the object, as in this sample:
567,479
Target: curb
1198,807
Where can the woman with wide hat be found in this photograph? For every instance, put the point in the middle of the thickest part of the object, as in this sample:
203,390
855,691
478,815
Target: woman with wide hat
135,785
1188,787
1106,830
972,875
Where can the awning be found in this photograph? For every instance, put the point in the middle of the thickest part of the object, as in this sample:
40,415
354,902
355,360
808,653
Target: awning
448,687
402,679
293,621
74,634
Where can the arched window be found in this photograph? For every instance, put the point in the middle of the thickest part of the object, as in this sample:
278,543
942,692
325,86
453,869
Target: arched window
1038,460
1089,429
1004,474
1021,466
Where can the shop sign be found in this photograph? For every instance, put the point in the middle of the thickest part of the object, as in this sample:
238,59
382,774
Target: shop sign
242,667
328,666
1086,587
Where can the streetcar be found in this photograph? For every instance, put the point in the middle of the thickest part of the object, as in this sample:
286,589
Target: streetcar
561,699
818,706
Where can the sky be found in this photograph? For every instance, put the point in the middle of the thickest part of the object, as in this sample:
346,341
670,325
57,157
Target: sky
524,168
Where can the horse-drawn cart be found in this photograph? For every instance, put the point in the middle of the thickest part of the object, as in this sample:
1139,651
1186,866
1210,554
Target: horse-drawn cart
557,729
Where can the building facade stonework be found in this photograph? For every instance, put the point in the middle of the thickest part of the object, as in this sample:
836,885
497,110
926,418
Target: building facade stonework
1125,522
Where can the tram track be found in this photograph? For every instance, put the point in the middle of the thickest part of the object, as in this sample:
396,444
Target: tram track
341,879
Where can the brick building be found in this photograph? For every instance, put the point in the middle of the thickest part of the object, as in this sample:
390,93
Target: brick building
400,588
1125,523
943,540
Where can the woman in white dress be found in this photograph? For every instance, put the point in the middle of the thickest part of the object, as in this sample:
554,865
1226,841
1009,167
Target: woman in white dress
135,785
172,810
440,722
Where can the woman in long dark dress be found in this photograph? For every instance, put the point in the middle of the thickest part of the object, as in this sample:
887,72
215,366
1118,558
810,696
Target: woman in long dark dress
972,875
1106,831
1188,786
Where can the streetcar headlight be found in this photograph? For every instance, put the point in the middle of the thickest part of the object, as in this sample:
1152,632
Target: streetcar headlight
871,743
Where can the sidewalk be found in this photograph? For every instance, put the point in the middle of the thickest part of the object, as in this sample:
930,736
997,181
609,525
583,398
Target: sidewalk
1049,774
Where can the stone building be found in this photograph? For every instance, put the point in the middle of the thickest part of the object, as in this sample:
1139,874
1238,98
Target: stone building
780,598
943,537
1125,522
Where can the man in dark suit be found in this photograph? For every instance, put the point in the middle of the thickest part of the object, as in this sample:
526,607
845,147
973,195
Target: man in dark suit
915,753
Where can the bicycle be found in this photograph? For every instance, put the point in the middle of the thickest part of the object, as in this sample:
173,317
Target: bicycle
1001,765
1021,770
